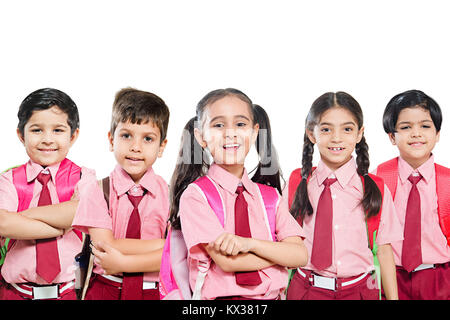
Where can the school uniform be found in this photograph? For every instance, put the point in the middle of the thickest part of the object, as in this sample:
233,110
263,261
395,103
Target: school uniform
350,274
200,226
153,212
19,268
431,279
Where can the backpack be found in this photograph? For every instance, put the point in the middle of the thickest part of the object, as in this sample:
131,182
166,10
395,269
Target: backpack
389,172
372,223
174,271
66,178
85,259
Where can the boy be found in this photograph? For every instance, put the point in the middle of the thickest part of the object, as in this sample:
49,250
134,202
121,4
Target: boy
128,237
412,121
39,261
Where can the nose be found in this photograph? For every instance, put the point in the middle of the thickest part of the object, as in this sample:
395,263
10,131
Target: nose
47,138
136,145
336,137
415,131
230,133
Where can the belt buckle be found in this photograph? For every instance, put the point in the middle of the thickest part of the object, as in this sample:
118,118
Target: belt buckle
324,282
424,266
46,292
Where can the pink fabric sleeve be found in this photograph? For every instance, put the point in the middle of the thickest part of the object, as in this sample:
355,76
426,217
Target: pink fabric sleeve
286,225
92,211
199,223
390,229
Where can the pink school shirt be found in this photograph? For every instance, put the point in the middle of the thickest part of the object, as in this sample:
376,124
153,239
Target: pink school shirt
93,212
200,226
20,262
434,244
351,253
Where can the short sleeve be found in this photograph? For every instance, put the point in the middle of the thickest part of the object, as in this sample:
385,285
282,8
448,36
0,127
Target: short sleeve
92,211
286,225
199,223
390,229
8,194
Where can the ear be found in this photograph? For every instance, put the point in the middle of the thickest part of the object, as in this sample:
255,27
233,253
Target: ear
311,136
111,141
198,136
392,138
19,135
360,134
255,133
74,136
162,146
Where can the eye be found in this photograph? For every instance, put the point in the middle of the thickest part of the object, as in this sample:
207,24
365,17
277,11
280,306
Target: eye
148,139
125,135
404,127
59,130
36,130
325,130
426,126
241,124
218,125
348,129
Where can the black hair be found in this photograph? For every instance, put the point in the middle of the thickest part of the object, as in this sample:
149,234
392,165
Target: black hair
193,162
44,99
372,198
410,99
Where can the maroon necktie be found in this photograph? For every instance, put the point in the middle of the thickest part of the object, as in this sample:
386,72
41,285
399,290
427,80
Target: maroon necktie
321,256
47,257
132,282
412,252
242,228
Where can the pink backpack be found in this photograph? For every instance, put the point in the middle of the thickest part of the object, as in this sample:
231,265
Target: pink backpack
174,271
66,178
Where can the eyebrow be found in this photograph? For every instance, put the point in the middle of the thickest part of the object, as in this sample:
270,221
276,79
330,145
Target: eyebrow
221,117
342,124
408,122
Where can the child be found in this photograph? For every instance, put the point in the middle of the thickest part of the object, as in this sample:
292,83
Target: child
128,237
333,203
39,261
412,121
226,126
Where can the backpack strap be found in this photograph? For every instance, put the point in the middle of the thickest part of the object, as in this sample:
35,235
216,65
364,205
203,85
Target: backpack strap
23,188
270,199
209,190
389,172
443,195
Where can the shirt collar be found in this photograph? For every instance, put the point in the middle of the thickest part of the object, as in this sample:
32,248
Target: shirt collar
33,169
228,181
345,175
426,169
122,181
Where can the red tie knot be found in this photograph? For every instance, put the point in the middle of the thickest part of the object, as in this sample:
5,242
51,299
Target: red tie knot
43,178
414,179
240,189
134,200
328,182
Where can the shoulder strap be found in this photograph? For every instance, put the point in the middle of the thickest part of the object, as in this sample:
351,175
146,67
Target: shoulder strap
212,196
269,197
66,178
106,188
443,195
389,172
23,188
374,222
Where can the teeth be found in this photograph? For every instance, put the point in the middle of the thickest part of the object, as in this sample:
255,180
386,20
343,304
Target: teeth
336,149
231,145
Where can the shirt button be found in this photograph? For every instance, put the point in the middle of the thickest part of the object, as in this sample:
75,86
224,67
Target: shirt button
339,262
333,196
336,227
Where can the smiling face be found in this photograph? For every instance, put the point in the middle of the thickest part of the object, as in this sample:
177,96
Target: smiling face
136,147
336,136
415,135
47,136
227,130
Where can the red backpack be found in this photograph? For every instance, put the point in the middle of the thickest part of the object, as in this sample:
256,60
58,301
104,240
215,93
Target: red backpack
389,172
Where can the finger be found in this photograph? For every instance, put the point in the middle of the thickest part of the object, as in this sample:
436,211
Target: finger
218,242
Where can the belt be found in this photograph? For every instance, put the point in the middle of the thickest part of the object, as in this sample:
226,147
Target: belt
330,283
39,292
146,285
424,267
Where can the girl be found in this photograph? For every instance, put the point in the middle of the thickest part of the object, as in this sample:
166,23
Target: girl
335,201
226,126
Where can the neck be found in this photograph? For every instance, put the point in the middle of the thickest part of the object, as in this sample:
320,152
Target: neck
416,163
235,169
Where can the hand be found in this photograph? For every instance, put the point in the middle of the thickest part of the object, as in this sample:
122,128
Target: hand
231,244
108,258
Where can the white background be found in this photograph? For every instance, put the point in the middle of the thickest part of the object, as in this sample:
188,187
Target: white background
283,54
